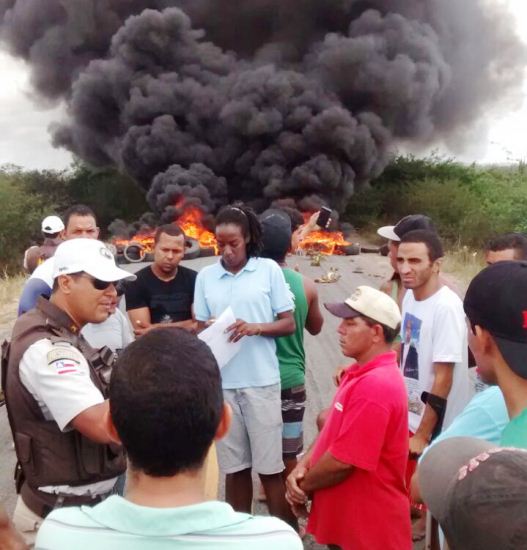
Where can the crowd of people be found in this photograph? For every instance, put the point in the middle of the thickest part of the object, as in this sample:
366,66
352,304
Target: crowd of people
122,422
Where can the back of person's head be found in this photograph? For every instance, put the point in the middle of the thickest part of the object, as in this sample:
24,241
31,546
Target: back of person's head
517,242
477,492
294,215
77,210
246,219
496,301
429,238
170,229
276,234
166,401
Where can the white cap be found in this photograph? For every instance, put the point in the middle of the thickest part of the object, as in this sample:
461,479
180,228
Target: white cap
52,224
371,303
387,231
88,256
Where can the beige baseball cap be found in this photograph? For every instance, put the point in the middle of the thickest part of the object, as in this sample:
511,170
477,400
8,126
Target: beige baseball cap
371,303
89,256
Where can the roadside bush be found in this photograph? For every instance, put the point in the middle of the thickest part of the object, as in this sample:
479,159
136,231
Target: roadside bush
469,204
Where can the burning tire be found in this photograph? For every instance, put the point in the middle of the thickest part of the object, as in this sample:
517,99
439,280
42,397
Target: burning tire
192,249
349,249
134,253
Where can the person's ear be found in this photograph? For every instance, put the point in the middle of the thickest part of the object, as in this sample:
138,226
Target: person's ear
97,232
110,427
485,340
65,283
225,422
437,265
378,333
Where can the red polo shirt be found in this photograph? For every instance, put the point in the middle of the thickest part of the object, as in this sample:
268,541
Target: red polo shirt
368,428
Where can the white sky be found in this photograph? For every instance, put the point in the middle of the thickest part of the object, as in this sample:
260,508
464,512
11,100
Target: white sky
24,139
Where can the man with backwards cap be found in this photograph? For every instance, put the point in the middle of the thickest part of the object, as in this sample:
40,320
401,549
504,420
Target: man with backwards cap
496,310
355,470
56,386
52,227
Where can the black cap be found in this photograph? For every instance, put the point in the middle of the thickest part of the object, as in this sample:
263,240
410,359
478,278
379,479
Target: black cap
496,300
276,234
405,225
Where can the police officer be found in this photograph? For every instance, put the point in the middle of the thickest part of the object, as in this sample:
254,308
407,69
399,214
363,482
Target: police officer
52,227
56,385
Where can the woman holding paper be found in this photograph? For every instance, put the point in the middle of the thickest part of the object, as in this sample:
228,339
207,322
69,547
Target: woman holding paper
256,291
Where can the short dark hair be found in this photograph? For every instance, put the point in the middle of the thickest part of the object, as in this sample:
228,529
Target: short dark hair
171,229
166,401
428,238
516,241
390,334
246,219
77,210
296,217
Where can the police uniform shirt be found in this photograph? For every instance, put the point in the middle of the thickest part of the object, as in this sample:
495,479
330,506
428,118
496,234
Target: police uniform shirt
58,377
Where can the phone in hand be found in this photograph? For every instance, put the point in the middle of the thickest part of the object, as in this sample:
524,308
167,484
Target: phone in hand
323,217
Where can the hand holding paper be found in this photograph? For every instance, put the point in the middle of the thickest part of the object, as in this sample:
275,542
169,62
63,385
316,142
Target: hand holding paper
217,337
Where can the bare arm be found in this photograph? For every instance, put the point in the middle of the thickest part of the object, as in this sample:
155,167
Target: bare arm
443,377
328,471
10,538
91,423
314,320
283,326
140,319
142,322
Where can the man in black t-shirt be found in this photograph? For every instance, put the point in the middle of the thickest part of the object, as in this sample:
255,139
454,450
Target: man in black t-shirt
163,292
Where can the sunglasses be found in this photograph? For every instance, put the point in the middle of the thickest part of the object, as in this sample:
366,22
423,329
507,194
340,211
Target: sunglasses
97,283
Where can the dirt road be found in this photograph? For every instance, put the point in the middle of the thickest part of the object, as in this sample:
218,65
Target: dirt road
323,353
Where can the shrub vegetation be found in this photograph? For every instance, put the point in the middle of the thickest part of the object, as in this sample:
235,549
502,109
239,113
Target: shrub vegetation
469,204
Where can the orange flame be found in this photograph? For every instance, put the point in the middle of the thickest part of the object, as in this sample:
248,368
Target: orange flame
190,222
325,242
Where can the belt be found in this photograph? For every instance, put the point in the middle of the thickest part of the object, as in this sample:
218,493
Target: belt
42,503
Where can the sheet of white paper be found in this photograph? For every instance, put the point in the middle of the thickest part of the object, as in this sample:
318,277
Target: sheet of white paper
218,340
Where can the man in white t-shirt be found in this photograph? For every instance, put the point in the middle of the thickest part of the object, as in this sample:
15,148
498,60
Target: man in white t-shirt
434,337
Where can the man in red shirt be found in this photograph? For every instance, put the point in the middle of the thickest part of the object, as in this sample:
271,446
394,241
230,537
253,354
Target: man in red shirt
355,470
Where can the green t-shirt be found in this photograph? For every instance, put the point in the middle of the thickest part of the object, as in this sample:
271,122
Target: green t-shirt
515,432
290,349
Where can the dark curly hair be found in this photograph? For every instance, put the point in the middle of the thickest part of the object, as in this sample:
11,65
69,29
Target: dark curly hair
246,219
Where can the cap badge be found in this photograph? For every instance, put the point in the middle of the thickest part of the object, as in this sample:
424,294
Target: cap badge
106,253
356,295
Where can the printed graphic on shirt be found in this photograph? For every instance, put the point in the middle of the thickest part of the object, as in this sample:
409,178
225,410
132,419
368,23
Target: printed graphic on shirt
411,334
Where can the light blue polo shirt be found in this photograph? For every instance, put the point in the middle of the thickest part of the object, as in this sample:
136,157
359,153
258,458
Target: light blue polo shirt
119,524
256,294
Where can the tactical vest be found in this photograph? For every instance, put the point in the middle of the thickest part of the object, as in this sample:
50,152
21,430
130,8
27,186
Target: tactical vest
46,455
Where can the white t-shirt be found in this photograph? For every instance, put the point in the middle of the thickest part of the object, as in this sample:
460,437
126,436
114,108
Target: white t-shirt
58,377
434,331
116,332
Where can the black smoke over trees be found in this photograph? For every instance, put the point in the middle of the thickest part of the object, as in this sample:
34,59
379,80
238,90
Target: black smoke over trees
261,100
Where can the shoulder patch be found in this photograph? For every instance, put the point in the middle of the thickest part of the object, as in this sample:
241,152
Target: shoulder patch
64,359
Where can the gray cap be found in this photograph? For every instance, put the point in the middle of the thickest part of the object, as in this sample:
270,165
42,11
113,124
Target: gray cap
477,492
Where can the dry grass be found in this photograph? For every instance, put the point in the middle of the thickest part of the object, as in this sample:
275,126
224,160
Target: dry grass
463,264
10,289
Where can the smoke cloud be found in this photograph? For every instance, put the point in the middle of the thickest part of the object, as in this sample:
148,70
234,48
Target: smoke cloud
211,101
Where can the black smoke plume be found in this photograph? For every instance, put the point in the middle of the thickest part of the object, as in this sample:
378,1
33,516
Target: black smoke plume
212,101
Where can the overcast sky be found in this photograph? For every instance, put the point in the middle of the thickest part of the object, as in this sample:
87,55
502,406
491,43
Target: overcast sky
24,139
